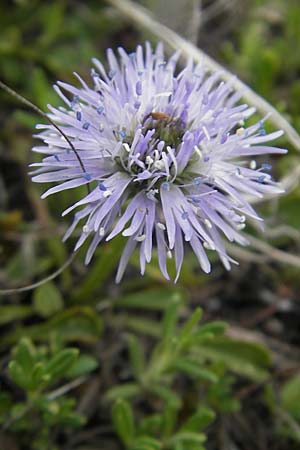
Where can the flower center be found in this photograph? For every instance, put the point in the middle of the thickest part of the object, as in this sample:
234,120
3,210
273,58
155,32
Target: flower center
150,154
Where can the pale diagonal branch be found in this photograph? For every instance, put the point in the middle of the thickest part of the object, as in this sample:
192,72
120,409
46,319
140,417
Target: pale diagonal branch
143,18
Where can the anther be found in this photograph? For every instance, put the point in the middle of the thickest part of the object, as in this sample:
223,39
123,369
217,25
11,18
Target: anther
159,165
208,223
161,226
86,125
85,229
78,115
184,215
138,88
102,187
122,134
208,246
112,73
149,160
266,166
87,176
240,131
224,138
140,238
197,181
169,254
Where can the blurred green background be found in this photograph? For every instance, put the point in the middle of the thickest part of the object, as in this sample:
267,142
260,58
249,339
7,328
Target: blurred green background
141,381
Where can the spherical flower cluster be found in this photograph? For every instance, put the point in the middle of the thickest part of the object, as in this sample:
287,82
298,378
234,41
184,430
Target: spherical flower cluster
165,154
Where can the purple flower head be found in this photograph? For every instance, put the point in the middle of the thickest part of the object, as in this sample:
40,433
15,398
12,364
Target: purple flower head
165,154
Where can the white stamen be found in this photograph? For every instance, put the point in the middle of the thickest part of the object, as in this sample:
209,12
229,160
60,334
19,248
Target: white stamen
166,163
163,94
107,193
85,229
253,164
140,238
149,160
241,226
161,226
169,254
208,223
126,146
159,165
206,133
174,161
198,151
208,246
240,131
101,231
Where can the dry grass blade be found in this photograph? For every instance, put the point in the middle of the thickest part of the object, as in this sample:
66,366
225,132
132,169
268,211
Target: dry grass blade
143,18
274,253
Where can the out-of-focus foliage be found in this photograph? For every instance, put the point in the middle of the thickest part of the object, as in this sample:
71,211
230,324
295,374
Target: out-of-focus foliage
88,364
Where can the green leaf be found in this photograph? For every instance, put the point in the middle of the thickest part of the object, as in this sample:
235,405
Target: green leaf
188,327
17,374
84,364
122,417
126,390
152,299
170,414
78,323
194,369
290,397
47,300
244,358
150,424
10,313
199,420
189,437
25,354
212,328
141,325
146,443
136,355
39,376
60,363
170,319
